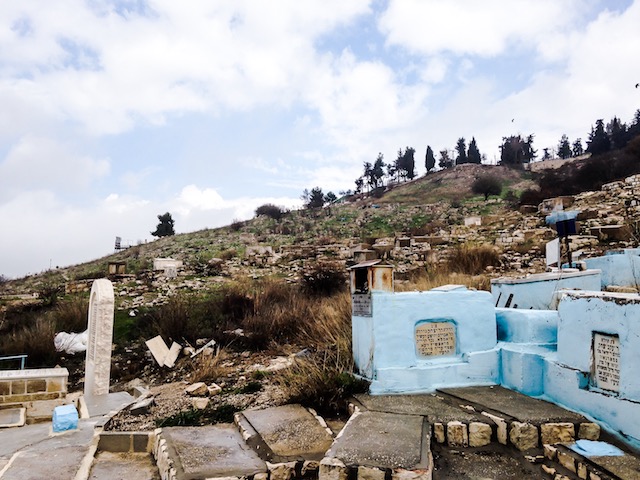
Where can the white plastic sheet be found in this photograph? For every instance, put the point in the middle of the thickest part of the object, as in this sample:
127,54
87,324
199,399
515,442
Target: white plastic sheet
71,343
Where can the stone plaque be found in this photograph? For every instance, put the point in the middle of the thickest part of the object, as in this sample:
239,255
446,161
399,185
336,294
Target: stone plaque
606,361
435,339
361,305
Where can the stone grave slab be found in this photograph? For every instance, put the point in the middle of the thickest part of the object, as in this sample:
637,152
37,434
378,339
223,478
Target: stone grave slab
383,440
105,404
111,465
290,432
211,452
434,407
512,404
158,349
12,417
625,466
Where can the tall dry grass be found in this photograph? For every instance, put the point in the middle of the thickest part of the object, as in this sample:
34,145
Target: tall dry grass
472,259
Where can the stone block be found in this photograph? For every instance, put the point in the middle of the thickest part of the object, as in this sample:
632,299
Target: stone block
114,442
479,434
594,476
550,452
140,441
557,433
261,476
5,388
142,406
197,389
172,355
501,423
200,403
548,470
158,349
567,461
214,389
438,432
523,436
402,474
332,469
39,385
583,472
457,435
589,431
18,387
370,473
56,385
281,471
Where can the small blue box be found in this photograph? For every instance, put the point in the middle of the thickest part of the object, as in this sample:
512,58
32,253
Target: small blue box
65,417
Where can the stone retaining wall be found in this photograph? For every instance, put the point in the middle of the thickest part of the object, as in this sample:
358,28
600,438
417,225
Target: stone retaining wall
19,386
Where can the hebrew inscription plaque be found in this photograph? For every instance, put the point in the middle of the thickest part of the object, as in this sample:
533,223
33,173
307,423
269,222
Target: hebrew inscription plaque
435,339
361,305
606,361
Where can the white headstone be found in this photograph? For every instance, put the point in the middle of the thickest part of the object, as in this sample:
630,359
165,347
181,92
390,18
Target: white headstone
553,252
98,363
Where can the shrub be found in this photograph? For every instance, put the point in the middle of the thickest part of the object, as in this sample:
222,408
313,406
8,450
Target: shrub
236,225
472,260
324,278
36,340
486,185
270,210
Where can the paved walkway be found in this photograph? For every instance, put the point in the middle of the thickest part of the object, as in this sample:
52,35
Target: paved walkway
473,433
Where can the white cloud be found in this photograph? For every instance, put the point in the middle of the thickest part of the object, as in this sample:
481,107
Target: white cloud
37,163
469,27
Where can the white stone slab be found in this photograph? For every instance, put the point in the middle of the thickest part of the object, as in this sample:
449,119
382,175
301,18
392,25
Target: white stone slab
172,355
158,349
98,360
606,361
553,252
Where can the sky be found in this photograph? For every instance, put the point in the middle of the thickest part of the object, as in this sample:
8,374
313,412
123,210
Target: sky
116,111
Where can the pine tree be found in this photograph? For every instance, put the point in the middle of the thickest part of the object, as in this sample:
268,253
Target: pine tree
461,148
564,149
598,139
429,160
576,148
473,155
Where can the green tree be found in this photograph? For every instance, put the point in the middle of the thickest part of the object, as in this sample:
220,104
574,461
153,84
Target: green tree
564,148
618,133
486,185
576,148
516,151
445,161
461,148
316,198
473,155
165,227
330,197
598,139
377,172
429,160
270,210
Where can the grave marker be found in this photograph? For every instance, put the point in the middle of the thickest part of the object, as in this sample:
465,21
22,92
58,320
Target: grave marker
606,361
435,339
98,360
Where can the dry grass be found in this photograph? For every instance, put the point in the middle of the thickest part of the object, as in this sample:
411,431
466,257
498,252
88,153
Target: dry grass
472,259
428,280
36,340
209,368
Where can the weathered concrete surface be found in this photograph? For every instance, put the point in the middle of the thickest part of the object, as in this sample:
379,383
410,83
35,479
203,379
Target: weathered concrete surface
33,455
513,404
211,452
386,440
129,466
104,404
434,407
290,432
12,417
626,466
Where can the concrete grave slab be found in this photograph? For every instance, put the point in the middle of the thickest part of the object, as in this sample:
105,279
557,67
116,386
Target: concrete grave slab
105,404
434,407
512,404
211,452
110,465
172,355
12,417
384,440
290,432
